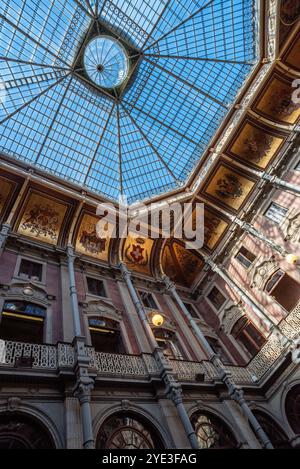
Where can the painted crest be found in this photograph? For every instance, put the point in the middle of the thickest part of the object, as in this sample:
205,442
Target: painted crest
91,242
255,149
136,254
43,220
229,187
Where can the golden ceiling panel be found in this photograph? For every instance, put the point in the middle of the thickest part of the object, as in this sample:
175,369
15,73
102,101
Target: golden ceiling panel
289,11
92,240
214,228
229,187
181,265
42,218
257,146
137,253
6,189
276,103
292,56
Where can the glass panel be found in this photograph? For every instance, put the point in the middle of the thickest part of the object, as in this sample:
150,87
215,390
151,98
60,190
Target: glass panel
276,213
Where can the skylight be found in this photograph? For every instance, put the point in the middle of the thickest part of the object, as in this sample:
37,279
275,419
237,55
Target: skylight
180,65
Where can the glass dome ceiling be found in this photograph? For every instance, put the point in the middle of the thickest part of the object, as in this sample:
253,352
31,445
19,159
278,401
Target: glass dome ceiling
193,57
106,62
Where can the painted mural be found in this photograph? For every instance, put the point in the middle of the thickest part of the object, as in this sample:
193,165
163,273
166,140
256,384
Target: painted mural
256,146
277,103
229,187
42,218
92,241
137,253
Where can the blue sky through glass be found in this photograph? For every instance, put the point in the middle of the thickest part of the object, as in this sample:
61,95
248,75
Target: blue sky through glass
197,55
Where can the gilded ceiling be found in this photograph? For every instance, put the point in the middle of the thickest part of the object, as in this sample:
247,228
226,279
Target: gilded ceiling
257,142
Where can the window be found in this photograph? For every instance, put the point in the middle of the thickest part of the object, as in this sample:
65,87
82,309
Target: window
167,340
22,322
105,335
148,300
191,310
279,284
217,348
31,270
248,336
245,257
216,298
212,432
95,286
127,431
276,213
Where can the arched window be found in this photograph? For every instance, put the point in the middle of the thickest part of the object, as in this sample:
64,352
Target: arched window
292,408
105,335
276,435
127,431
22,432
248,335
212,432
279,284
168,341
22,322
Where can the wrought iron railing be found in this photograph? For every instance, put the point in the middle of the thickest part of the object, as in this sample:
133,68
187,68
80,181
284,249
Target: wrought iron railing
144,366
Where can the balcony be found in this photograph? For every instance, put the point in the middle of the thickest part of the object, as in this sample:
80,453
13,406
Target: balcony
109,365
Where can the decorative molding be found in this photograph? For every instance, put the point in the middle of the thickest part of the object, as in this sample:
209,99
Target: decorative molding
262,272
26,291
231,315
293,228
102,308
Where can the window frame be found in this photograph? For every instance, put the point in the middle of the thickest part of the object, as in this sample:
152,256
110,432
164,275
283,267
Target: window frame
99,279
246,267
34,260
209,301
278,223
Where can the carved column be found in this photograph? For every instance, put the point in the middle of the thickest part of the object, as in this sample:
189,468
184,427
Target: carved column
173,388
235,392
82,390
73,292
281,184
5,229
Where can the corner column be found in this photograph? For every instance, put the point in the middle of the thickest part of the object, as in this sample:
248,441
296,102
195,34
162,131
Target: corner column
173,388
235,392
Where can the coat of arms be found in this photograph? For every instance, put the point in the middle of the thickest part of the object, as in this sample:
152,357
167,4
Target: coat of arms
284,105
91,242
229,187
257,149
136,254
42,219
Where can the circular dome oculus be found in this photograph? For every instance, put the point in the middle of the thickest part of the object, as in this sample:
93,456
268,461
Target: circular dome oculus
106,62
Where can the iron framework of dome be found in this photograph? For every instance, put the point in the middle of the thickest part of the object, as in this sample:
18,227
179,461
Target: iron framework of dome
189,60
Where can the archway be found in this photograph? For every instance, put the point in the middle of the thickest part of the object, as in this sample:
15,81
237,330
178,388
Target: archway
19,431
128,431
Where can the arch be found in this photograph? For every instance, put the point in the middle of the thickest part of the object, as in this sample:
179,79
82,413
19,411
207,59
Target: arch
126,407
275,433
127,430
212,431
22,428
292,408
